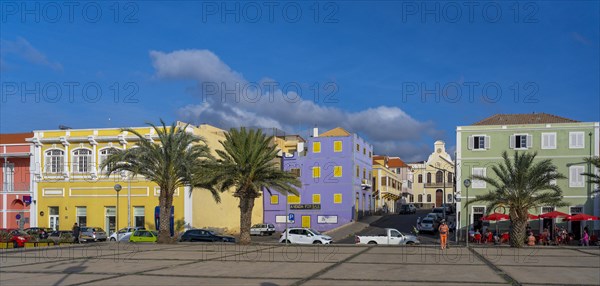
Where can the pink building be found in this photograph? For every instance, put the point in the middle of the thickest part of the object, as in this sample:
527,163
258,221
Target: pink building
16,194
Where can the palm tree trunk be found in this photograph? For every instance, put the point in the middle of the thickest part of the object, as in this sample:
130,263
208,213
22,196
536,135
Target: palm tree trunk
517,232
246,206
165,203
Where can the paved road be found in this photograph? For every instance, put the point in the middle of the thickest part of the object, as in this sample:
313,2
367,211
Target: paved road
272,265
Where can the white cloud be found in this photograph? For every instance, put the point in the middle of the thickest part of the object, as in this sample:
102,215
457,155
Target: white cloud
227,99
23,49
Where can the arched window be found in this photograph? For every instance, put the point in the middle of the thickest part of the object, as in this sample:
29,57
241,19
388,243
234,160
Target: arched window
420,198
420,178
439,177
104,153
429,198
450,177
412,198
449,200
82,160
54,161
428,178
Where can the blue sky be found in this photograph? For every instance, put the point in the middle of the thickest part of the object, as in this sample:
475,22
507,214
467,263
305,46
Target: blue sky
378,66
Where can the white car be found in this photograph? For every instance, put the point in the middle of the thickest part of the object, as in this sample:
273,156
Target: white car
304,236
124,233
262,229
391,237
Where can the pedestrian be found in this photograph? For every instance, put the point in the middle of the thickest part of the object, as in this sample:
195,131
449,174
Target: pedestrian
585,240
531,239
76,232
443,229
418,222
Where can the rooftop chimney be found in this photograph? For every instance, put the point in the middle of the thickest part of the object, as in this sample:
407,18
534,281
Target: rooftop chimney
315,132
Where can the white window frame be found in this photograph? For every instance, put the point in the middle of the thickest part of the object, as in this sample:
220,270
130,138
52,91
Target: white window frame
574,142
77,166
472,214
54,163
143,208
528,141
479,184
551,143
576,180
8,170
80,212
486,142
102,157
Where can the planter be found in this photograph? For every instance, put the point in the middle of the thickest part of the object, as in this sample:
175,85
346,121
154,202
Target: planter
44,244
65,243
29,244
6,245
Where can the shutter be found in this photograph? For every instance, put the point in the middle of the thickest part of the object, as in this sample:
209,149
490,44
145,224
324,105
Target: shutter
572,140
470,142
572,178
512,142
545,140
580,142
487,142
529,141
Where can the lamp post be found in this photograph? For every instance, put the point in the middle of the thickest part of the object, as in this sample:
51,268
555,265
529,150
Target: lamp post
467,184
117,189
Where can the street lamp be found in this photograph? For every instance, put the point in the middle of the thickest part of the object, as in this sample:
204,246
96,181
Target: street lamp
467,184
117,189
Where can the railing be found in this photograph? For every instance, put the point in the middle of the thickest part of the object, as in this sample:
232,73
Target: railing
16,187
438,185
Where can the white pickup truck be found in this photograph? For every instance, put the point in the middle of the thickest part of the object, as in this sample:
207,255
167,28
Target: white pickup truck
391,237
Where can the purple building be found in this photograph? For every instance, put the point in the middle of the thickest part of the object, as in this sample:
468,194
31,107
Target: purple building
335,171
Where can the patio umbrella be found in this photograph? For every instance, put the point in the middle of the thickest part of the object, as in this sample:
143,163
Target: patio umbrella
496,217
581,217
532,217
554,214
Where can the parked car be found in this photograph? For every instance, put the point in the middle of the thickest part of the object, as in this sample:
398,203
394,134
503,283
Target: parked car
407,209
143,236
39,232
449,208
205,235
124,233
262,229
16,236
61,235
92,234
391,236
304,236
429,225
433,216
439,212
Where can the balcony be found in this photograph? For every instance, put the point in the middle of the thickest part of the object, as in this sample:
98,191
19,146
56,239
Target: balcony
438,185
16,187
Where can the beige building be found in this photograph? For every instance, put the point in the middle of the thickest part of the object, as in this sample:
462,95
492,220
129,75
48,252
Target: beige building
387,185
433,178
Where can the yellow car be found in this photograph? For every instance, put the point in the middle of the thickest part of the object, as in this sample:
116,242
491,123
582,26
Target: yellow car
143,236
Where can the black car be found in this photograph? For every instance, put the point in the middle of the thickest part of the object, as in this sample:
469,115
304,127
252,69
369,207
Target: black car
39,232
407,209
205,235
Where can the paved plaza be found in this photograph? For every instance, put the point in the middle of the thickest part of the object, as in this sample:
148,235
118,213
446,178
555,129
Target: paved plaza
273,264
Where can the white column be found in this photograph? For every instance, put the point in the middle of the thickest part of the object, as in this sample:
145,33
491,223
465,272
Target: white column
188,213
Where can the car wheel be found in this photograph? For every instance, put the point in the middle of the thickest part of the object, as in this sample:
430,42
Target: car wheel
409,243
286,241
262,233
112,239
372,242
317,242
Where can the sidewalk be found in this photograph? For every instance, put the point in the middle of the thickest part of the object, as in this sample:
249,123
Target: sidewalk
344,231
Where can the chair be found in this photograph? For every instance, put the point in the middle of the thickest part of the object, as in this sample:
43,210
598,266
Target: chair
505,238
477,238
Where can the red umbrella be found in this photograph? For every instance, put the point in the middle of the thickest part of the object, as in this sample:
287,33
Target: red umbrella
496,217
554,214
580,217
532,217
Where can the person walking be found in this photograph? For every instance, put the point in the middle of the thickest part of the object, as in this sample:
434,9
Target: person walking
443,229
76,232
585,240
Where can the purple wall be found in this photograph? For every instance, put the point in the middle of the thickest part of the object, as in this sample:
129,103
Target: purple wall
327,185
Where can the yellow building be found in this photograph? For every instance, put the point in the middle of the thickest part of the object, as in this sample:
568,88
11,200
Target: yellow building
433,178
387,185
70,187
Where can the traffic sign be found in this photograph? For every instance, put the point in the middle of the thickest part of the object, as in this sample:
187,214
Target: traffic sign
291,217
18,216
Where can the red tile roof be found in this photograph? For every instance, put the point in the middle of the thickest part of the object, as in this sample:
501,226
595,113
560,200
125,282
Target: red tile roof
528,118
396,162
15,138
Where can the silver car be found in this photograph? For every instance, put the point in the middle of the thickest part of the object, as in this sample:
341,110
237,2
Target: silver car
429,225
92,234
262,229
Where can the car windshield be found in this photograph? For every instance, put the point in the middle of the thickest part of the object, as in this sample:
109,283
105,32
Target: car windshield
155,233
256,226
427,221
314,231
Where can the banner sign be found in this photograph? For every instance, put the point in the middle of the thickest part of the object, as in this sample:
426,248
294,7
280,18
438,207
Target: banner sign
306,207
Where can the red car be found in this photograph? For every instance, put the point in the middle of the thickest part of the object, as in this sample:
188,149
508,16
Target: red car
16,236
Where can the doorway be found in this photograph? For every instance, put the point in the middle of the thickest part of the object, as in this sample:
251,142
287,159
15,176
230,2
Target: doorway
439,198
110,221
53,218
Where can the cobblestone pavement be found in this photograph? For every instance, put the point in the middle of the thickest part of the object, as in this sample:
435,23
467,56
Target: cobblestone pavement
270,265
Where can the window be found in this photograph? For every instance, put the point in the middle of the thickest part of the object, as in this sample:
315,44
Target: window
428,178
478,184
364,151
9,175
449,198
104,153
364,173
293,199
357,171
420,178
412,198
576,140
316,172
54,161
357,148
478,142
575,178
548,140
337,146
520,141
316,147
82,159
450,178
295,171
575,210
274,199
429,198
337,198
316,198
337,171
439,177
139,217
420,198
81,214
370,154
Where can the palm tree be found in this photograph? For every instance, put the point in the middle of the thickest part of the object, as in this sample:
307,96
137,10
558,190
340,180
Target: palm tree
592,177
521,184
247,164
177,161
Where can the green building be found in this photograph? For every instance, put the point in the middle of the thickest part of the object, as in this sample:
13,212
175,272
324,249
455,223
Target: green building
565,141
